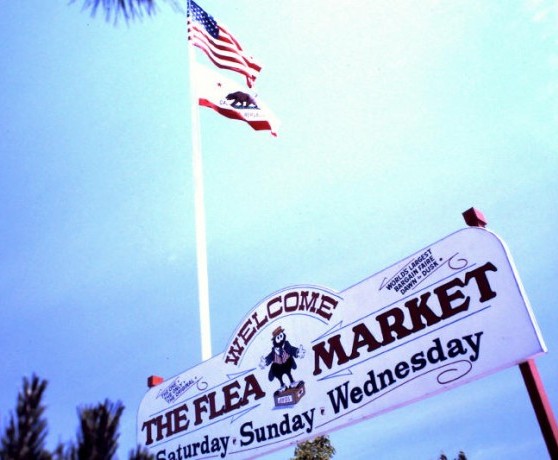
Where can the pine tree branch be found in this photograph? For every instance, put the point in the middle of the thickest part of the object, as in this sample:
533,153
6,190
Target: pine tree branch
24,438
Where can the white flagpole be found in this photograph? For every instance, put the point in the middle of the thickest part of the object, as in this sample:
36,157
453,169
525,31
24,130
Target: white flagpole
201,244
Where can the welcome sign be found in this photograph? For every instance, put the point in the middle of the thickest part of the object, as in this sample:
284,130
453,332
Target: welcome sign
307,360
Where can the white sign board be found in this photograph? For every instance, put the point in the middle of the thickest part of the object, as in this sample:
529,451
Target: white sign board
307,360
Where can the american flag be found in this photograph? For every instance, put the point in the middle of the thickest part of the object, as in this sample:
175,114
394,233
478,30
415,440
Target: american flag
218,44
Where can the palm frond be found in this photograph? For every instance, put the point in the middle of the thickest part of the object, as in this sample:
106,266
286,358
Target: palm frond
127,9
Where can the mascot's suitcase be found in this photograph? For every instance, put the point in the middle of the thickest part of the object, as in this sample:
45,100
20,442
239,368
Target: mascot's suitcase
290,396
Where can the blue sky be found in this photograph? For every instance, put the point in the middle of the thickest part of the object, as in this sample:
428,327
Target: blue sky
396,116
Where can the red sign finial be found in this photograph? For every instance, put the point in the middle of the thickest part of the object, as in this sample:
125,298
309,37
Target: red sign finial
474,218
154,380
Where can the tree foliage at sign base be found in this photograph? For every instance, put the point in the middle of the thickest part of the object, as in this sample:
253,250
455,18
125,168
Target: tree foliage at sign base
319,448
460,456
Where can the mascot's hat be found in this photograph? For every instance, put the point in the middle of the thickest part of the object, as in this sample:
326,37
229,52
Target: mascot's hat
277,331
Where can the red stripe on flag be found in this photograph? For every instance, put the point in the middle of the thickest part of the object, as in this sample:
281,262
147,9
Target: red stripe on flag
249,76
216,50
199,35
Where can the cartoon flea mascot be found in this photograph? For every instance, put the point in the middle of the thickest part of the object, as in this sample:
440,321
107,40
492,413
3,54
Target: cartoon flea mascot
282,359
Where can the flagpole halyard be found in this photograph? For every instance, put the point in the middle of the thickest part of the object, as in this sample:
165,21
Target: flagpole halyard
199,210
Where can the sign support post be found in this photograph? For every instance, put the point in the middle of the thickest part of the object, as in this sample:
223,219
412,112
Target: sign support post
541,404
533,382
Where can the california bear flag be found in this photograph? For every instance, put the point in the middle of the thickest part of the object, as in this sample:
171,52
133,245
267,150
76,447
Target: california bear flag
231,99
